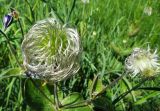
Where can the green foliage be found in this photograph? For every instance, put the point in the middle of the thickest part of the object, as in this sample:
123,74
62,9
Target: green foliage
109,30
74,98
35,99
11,72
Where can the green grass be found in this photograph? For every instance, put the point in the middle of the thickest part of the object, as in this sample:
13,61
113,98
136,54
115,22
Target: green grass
109,30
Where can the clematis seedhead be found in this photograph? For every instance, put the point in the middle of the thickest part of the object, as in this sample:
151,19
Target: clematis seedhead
143,62
51,51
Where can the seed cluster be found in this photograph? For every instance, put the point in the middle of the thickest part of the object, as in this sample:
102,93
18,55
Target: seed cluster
51,51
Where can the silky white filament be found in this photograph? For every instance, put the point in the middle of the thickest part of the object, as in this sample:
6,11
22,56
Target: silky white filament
50,51
142,61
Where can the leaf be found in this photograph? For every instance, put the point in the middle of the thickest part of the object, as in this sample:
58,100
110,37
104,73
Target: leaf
99,85
35,99
144,99
103,104
72,99
11,72
90,86
9,88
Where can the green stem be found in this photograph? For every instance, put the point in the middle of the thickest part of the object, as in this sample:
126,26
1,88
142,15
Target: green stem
56,99
73,5
55,12
126,93
110,85
34,83
93,84
21,28
11,48
129,87
149,88
32,12
88,101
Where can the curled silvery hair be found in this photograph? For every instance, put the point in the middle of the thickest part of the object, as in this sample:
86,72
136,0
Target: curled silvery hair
51,51
143,61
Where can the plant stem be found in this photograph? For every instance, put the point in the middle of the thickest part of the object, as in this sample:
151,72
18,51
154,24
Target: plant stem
93,84
110,85
88,101
55,12
21,28
126,93
32,12
34,83
149,88
11,48
73,5
56,99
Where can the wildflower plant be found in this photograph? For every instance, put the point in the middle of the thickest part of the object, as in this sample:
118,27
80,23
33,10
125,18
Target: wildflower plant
51,51
8,18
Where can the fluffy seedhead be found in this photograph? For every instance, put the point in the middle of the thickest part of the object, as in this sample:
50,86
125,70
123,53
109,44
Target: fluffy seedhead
51,51
142,61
